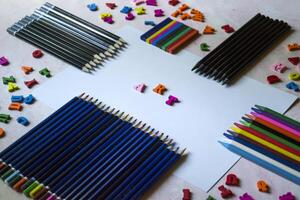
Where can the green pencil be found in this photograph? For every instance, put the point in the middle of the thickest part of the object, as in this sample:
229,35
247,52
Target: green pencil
276,114
271,135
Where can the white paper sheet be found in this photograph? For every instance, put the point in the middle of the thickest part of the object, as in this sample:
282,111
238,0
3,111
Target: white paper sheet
206,109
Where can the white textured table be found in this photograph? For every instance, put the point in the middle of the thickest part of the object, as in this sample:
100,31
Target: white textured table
217,13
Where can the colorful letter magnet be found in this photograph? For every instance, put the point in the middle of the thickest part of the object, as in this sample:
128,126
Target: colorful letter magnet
262,186
45,72
279,68
18,99
22,120
3,61
293,86
29,99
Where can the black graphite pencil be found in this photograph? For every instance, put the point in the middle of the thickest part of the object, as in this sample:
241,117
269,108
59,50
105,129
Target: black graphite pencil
60,47
90,56
237,68
68,37
82,46
51,25
228,41
64,26
240,43
253,43
62,55
87,24
245,45
104,41
107,42
256,44
71,26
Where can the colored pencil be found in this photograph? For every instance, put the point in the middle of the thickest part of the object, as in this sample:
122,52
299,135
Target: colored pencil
170,35
278,115
292,135
262,160
271,135
261,150
268,139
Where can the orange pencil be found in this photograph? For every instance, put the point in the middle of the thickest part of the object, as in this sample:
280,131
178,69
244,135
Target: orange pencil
272,126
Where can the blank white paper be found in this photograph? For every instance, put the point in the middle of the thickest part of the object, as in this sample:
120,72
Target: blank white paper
205,111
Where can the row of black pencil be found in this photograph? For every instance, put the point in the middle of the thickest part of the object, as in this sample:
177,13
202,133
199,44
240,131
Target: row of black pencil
231,57
68,37
86,150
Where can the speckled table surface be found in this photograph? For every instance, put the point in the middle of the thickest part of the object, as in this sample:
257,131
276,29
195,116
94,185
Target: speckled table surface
217,13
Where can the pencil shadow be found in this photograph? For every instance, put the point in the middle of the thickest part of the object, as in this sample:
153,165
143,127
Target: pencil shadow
248,67
154,187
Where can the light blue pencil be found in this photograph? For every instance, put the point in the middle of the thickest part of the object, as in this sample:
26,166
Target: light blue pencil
261,162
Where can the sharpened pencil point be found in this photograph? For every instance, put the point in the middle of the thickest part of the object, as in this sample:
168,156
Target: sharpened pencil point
108,54
102,55
120,42
97,57
111,51
85,69
112,47
88,66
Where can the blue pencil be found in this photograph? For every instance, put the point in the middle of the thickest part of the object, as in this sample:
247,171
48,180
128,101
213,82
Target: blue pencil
24,149
263,151
27,137
91,160
29,148
261,162
163,165
61,143
51,135
109,155
56,170
122,167
148,163
64,177
103,168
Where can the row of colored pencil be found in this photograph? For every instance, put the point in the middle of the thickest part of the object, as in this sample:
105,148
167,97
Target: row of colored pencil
231,57
170,35
269,139
67,37
86,150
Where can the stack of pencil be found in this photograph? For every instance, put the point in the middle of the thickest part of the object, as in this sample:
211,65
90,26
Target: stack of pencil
67,37
86,150
269,139
231,57
170,35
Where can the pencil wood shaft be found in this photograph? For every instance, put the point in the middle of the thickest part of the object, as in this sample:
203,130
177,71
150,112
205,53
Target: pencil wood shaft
234,36
253,41
54,51
93,27
59,43
237,46
229,75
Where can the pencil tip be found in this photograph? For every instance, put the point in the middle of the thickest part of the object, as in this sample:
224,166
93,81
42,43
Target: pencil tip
108,54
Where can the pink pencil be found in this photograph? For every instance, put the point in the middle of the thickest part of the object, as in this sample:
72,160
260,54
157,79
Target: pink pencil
276,123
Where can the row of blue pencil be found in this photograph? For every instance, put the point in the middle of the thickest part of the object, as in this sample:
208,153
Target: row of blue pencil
86,150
